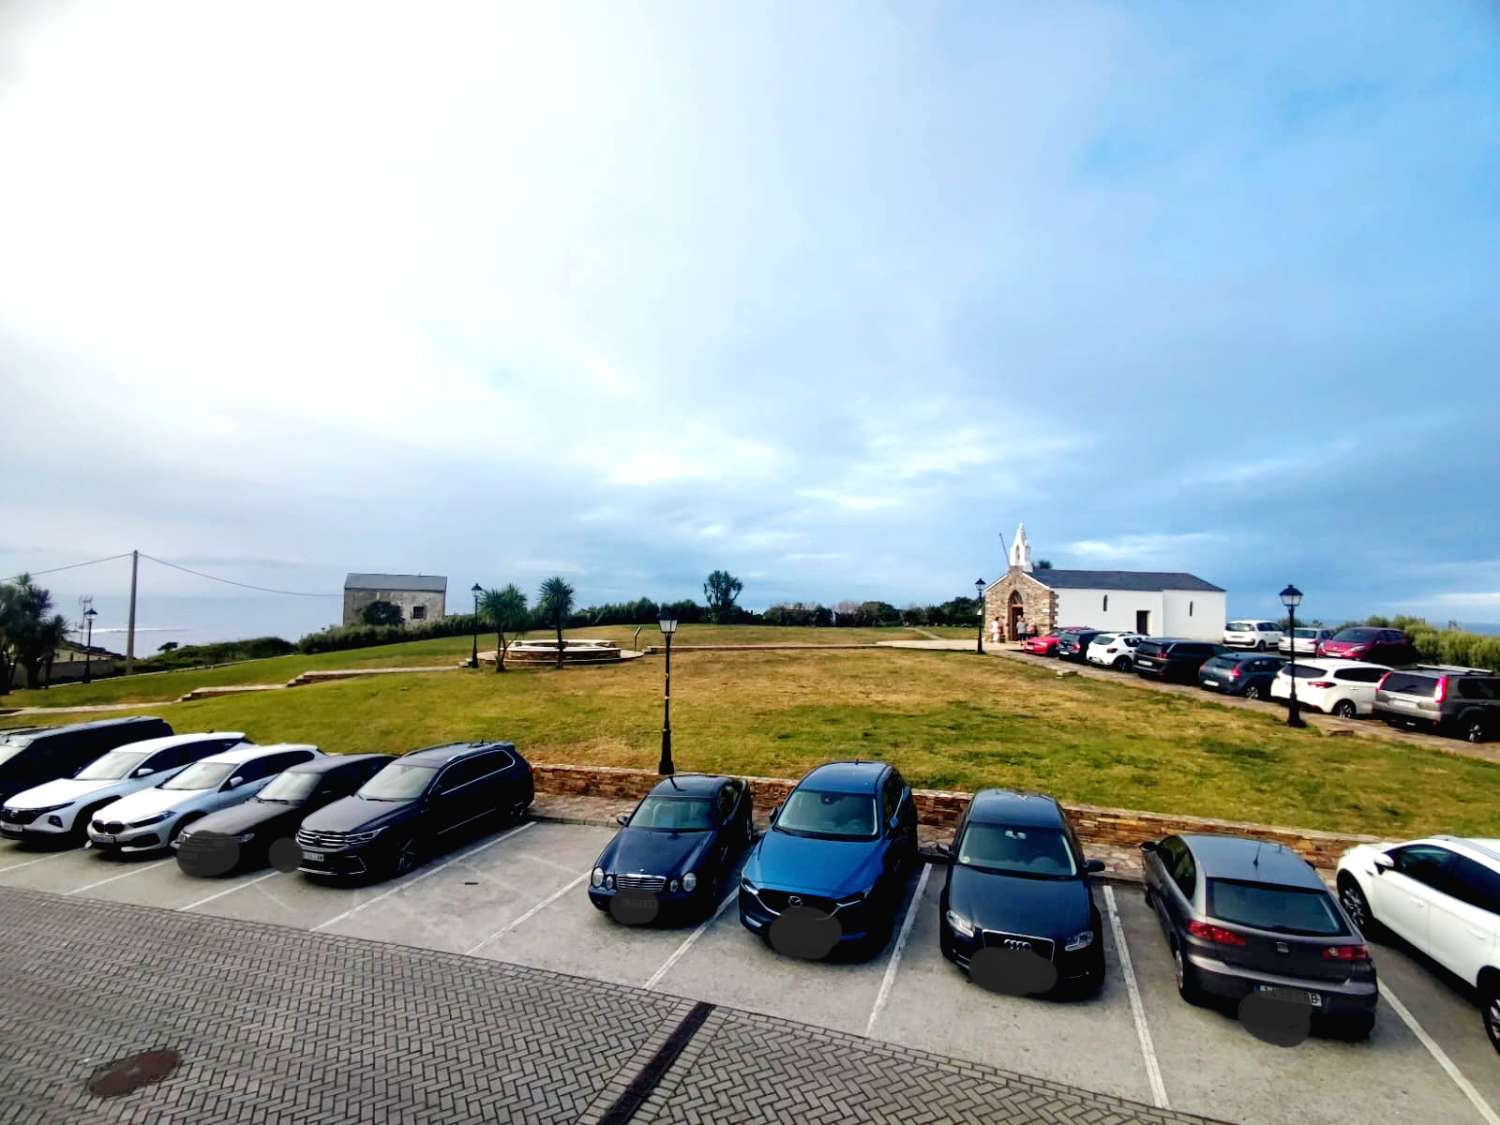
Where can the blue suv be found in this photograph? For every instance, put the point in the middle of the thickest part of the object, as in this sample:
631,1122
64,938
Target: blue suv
831,869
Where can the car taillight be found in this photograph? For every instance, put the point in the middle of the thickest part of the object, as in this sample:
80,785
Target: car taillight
1235,673
1321,683
1346,953
1442,689
1216,934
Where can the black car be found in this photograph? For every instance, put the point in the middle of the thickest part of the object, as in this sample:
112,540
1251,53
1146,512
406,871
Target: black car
1166,658
1243,916
1018,883
1240,673
263,829
677,851
416,806
1073,644
30,756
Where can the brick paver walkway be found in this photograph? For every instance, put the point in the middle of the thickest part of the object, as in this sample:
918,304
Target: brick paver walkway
281,1025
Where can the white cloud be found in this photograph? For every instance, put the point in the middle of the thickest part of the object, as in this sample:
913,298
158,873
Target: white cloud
1139,549
849,501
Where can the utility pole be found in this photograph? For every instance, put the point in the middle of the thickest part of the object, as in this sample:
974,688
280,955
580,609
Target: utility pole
135,566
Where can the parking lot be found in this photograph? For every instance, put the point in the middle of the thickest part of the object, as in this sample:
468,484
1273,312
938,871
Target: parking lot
518,896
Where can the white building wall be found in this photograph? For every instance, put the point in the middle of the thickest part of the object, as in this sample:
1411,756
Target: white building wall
1196,615
1112,609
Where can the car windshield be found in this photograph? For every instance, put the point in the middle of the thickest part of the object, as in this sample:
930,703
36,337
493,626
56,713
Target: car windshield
674,814
1288,910
1041,853
1359,635
397,782
201,775
290,788
836,816
11,748
113,766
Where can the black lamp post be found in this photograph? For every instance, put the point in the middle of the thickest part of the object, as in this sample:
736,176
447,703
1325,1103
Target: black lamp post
1291,597
88,645
476,590
665,767
979,596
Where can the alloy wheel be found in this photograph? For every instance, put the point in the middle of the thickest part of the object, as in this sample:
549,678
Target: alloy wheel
1252,692
1492,1020
1345,710
406,858
1352,899
1179,967
1476,731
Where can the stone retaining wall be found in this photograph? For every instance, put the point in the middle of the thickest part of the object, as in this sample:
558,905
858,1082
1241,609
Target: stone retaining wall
940,810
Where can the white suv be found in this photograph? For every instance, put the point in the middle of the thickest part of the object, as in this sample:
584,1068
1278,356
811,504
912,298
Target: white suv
1442,895
1336,687
150,820
59,811
1259,635
1114,650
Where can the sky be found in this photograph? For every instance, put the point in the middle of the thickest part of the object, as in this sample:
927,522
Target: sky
828,295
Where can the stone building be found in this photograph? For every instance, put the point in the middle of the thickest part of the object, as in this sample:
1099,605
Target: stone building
420,597
1156,603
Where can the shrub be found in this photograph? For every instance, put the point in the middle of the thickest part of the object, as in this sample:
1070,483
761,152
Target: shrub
339,638
220,652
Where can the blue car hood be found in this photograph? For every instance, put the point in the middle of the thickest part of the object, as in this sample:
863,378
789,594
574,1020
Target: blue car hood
646,851
831,868
1052,908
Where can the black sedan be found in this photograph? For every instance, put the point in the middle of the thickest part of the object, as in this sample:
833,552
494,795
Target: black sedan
263,829
677,852
1017,910
1240,673
1247,920
1073,644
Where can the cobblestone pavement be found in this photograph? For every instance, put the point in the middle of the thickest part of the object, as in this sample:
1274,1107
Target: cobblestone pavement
281,1025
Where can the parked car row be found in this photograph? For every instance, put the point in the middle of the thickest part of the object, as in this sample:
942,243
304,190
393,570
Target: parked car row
223,803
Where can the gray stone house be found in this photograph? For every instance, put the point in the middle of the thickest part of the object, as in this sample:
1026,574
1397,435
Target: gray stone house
420,597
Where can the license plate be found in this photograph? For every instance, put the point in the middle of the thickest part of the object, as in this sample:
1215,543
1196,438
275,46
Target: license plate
312,857
1210,684
1313,998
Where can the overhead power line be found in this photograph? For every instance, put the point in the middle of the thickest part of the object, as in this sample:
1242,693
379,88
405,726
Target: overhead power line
232,582
70,566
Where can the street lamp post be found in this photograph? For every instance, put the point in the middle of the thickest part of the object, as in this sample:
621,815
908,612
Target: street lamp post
665,767
476,590
88,644
1291,597
979,596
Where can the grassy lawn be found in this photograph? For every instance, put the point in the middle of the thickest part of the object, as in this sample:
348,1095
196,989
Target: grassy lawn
949,720
158,686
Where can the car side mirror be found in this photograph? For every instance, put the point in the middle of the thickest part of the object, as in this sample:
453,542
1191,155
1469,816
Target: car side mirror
775,813
1093,866
235,782
1384,863
945,852
144,771
1148,846
623,820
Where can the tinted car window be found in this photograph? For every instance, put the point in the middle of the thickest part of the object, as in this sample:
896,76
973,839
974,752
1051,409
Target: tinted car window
1476,688
1149,648
1475,884
1285,909
1017,850
1360,675
813,813
1408,684
1426,863
892,797
1359,636
1305,671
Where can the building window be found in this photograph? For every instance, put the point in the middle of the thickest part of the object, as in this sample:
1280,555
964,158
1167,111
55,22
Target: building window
1190,609
419,613
1106,603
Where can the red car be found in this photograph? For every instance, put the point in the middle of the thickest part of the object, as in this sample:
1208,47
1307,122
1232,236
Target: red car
1042,646
1370,644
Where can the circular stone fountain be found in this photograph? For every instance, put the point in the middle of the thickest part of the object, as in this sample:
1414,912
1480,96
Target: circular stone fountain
574,651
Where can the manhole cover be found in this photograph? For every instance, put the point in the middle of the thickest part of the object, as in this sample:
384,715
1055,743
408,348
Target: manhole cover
132,1072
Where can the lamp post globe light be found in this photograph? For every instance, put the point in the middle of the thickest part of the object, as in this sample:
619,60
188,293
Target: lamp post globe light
88,644
979,596
665,767
476,590
1291,597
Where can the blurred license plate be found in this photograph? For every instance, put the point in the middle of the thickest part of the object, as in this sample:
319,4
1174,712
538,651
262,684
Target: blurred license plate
1210,684
312,857
105,839
1313,998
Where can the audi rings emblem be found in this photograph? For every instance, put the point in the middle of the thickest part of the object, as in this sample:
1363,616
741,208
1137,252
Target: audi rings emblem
1013,943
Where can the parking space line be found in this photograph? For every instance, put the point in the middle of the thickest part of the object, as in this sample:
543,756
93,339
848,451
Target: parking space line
229,890
29,862
895,963
1137,1008
688,942
1475,1099
533,912
430,871
124,875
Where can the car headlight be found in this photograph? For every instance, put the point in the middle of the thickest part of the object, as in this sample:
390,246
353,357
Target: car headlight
246,837
851,900
597,878
960,924
1080,941
363,837
609,881
747,885
150,820
690,882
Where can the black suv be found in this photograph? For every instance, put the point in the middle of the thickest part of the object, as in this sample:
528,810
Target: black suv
30,756
1073,644
1165,658
418,805
1460,701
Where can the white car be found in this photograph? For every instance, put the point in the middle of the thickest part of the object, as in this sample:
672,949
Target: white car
1114,650
1336,687
151,819
1259,635
1307,641
59,811
1442,895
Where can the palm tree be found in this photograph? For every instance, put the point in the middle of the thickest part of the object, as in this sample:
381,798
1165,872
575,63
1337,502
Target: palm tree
506,610
554,601
30,635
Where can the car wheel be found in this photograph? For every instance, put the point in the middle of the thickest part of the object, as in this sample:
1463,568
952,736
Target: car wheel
1357,906
1345,709
1187,980
1476,730
1253,692
1122,664
1490,998
1260,646
406,857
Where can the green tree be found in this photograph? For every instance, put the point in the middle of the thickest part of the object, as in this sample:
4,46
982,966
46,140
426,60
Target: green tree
719,590
30,633
1044,564
554,601
381,613
506,610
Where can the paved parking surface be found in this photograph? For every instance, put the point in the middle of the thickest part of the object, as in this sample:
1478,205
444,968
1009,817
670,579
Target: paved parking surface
517,898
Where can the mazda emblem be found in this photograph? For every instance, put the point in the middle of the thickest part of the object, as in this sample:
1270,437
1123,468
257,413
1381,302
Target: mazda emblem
794,900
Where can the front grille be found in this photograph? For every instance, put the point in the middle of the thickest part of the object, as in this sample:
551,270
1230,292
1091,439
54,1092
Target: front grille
641,882
20,816
109,828
329,840
191,841
780,902
1042,947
